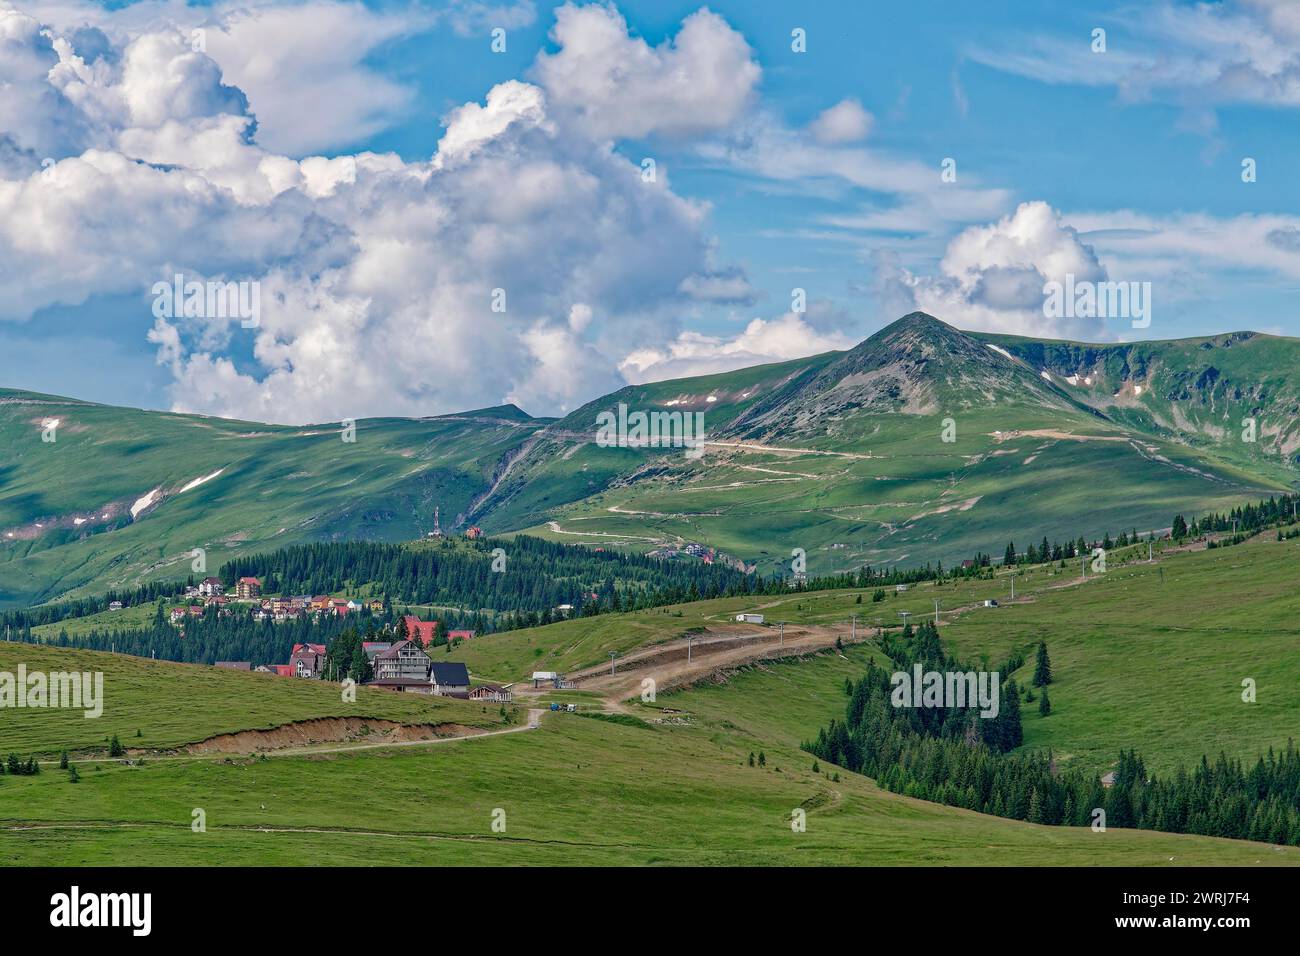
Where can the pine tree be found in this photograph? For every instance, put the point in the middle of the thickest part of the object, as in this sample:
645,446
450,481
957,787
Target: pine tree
1044,705
1043,667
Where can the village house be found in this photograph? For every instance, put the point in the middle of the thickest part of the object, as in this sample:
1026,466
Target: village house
404,660
248,588
321,602
376,606
459,635
426,631
280,670
210,587
473,531
373,648
403,685
491,692
307,660
178,614
450,680
115,606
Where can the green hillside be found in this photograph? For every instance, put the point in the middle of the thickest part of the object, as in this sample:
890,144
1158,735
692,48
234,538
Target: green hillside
922,443
112,501
846,458
575,791
1200,391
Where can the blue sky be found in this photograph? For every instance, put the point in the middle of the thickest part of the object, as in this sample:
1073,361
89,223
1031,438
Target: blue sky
446,169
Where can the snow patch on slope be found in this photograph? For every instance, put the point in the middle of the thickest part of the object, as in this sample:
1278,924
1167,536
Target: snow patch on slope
144,502
198,481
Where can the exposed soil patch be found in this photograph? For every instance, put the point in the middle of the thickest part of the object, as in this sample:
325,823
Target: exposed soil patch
321,730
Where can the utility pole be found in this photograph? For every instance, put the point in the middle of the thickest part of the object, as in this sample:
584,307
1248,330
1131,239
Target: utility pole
936,613
1013,593
905,615
853,629
688,648
1150,551
780,634
612,655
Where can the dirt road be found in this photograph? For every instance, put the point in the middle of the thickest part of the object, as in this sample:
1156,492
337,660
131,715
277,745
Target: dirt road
683,661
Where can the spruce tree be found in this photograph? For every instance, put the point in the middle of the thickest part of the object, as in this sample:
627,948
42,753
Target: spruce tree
1044,705
1043,667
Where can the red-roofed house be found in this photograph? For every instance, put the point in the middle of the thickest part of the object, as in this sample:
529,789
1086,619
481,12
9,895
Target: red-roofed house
280,670
307,660
426,631
459,635
248,587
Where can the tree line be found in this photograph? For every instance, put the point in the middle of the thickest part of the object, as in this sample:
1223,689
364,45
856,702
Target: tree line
943,755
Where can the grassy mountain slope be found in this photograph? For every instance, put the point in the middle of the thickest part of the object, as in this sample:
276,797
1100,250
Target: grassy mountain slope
575,791
846,458
122,496
922,443
1147,655
1197,390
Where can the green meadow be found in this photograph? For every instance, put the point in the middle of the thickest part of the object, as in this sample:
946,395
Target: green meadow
160,705
1150,656
572,792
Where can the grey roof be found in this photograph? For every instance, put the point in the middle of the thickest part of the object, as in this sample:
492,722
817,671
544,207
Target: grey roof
395,651
451,675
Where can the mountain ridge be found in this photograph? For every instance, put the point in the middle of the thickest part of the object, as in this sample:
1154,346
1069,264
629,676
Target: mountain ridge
842,453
